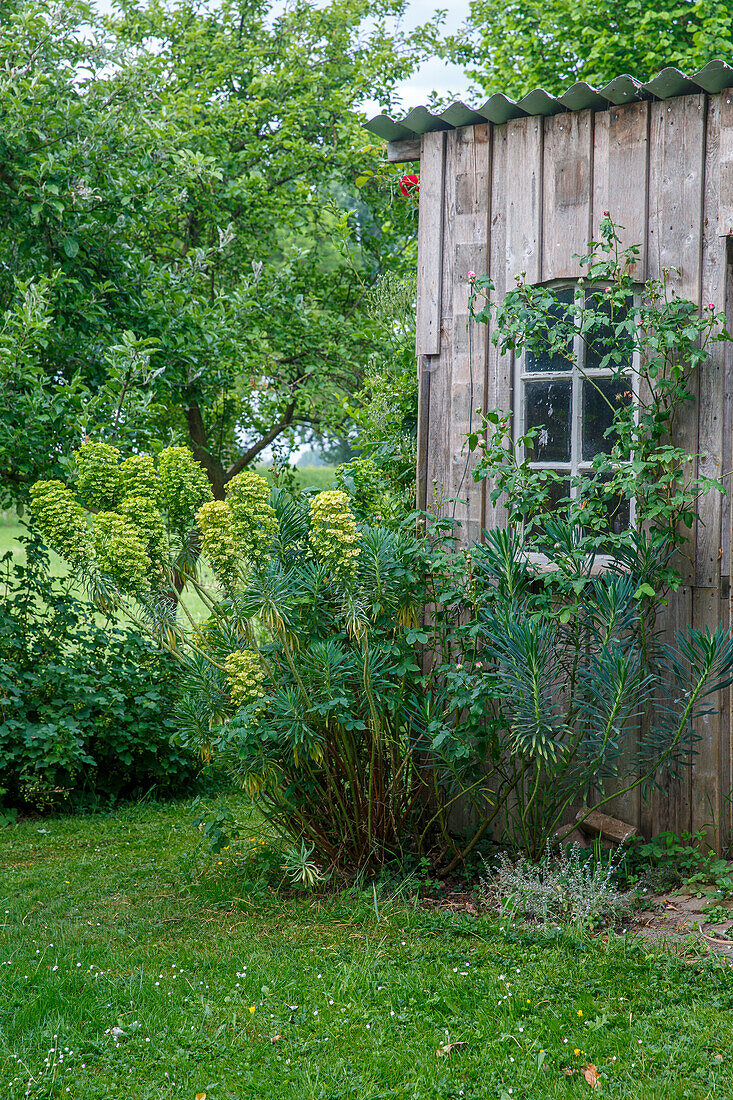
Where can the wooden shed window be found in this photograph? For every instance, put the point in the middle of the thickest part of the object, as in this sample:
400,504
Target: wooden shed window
572,399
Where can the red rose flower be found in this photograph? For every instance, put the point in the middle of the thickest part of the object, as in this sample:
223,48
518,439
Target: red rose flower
409,184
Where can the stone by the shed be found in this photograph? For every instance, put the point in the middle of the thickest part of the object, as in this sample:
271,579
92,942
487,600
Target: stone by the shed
603,825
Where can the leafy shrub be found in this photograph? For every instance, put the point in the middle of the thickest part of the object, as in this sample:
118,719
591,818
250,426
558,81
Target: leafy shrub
565,888
85,708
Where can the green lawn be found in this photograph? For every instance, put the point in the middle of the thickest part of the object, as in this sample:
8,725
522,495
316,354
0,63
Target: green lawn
9,533
220,984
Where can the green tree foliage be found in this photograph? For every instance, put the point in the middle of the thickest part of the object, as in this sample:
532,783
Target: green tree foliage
191,219
550,44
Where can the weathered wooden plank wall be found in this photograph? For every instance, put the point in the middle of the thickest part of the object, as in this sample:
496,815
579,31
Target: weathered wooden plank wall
524,198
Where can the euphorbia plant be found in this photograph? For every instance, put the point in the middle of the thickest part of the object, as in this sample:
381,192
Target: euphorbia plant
301,677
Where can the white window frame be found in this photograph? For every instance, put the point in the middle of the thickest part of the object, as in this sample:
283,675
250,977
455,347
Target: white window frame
577,373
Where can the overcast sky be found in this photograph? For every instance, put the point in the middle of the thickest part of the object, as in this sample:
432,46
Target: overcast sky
435,75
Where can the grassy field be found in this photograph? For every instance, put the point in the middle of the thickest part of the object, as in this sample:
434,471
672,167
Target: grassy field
135,966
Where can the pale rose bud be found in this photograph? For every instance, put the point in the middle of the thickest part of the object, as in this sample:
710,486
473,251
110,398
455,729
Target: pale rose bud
471,276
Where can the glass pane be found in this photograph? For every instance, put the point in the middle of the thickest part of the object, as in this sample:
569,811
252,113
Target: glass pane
601,340
542,360
547,406
602,397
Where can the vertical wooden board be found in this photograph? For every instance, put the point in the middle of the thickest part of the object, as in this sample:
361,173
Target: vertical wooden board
725,179
670,807
498,390
675,191
472,167
711,375
515,241
523,183
429,284
429,244
727,516
441,366
567,176
423,430
674,241
710,760
621,174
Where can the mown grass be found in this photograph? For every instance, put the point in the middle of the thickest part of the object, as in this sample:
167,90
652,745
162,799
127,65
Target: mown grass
218,983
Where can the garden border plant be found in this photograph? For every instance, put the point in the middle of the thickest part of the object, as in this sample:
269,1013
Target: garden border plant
303,677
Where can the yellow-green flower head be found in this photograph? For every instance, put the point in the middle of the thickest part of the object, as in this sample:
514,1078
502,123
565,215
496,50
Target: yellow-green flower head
184,487
148,522
121,552
333,534
98,477
255,522
139,477
61,521
246,676
218,543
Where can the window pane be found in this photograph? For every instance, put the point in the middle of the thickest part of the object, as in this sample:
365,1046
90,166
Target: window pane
543,360
601,399
601,340
547,405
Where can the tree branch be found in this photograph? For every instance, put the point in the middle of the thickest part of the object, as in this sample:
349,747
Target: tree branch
252,452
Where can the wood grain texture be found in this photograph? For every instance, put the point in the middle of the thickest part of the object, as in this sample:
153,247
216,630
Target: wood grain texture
523,184
400,152
711,375
498,390
675,191
727,516
472,167
621,175
567,176
710,785
725,182
430,244
674,239
441,366
423,431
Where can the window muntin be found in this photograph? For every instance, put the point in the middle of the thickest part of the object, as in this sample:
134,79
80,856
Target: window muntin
573,400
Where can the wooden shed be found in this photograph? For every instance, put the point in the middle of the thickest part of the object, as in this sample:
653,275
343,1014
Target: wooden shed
512,187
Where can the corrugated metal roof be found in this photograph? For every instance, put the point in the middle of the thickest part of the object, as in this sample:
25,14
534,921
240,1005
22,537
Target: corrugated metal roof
714,77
